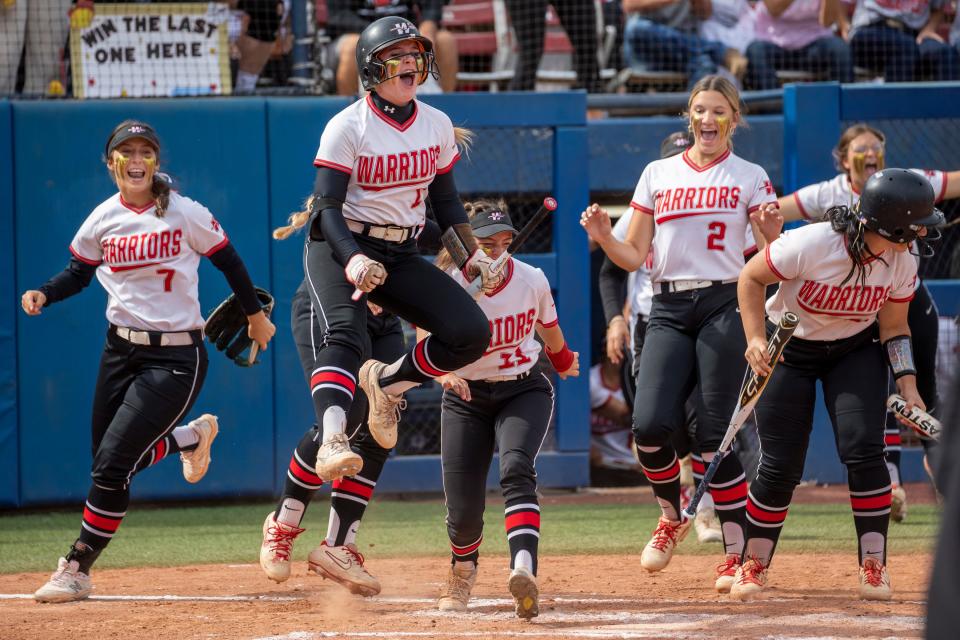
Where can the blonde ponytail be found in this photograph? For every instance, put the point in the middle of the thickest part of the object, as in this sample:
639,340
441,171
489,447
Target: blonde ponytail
297,221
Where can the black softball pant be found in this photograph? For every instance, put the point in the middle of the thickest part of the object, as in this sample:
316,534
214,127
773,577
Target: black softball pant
692,337
142,393
511,417
853,373
414,290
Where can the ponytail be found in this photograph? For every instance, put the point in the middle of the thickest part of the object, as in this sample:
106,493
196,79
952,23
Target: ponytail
297,221
160,189
845,220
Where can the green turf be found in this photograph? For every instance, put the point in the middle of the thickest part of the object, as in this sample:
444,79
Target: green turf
168,536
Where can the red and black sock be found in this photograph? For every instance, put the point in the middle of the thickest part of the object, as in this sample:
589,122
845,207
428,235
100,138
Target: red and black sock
302,481
522,522
662,469
765,514
870,499
102,515
728,487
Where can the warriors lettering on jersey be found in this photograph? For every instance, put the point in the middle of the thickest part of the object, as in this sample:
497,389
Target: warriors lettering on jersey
691,198
130,251
396,169
848,300
510,330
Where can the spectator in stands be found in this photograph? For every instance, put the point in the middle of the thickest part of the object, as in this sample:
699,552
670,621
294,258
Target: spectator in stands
347,18
731,24
661,35
902,40
795,34
256,43
38,30
579,19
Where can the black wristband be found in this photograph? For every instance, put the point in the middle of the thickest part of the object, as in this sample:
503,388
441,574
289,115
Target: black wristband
900,356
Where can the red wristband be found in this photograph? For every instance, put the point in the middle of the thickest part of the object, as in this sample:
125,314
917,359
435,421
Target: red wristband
561,360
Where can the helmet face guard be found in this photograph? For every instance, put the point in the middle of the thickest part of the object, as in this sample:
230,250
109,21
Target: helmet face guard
380,36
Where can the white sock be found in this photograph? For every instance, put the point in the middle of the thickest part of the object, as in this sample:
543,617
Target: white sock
186,436
464,565
894,474
291,512
523,559
334,422
400,386
246,81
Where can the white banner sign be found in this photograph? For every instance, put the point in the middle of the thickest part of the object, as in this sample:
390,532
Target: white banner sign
145,50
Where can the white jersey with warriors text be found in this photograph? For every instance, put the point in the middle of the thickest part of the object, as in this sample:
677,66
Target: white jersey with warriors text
701,214
514,310
148,264
813,264
815,199
391,165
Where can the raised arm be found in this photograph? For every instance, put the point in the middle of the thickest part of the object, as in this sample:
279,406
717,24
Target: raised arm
628,255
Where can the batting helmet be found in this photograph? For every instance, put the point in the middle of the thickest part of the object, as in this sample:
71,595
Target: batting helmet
380,35
897,203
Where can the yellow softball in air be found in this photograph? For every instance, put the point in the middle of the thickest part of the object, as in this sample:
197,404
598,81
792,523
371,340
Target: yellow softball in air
80,18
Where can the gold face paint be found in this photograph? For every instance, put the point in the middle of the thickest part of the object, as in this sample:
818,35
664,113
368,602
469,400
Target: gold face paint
119,166
723,127
859,162
696,121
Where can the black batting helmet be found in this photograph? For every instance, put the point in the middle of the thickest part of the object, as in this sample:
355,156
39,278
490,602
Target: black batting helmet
897,203
383,33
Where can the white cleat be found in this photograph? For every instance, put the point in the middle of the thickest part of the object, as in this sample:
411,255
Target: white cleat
196,462
384,407
335,459
65,585
526,596
707,525
727,573
874,581
750,581
344,565
898,504
277,547
668,534
455,592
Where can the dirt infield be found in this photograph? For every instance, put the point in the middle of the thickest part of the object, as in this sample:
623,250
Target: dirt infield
810,596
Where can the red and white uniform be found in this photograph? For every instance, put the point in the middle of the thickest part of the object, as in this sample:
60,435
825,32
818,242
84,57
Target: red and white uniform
813,262
391,165
148,264
514,309
815,199
701,214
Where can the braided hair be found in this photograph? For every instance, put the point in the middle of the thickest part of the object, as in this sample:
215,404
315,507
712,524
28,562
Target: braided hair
847,221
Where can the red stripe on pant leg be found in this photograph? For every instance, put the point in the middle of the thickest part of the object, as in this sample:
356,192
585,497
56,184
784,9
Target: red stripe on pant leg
107,524
470,548
334,377
893,440
303,474
353,487
530,518
771,517
674,470
698,466
160,451
420,357
872,502
730,494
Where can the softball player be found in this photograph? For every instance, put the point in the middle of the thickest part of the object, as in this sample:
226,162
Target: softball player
337,556
700,203
500,401
378,160
858,155
839,277
144,244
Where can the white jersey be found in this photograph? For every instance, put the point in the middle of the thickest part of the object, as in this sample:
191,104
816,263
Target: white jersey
813,262
148,265
701,214
390,165
513,309
815,199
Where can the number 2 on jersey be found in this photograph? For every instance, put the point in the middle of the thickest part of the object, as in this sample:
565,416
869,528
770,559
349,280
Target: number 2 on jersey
167,278
508,359
715,239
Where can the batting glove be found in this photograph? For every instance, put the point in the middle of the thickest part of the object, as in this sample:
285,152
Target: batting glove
365,273
478,266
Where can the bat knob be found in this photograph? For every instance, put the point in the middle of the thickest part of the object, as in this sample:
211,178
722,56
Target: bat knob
550,203
686,515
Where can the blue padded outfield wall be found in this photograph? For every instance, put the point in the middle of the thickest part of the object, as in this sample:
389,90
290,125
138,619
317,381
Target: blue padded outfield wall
249,160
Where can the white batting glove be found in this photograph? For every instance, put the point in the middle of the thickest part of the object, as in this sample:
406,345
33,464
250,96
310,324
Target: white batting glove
478,266
365,273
